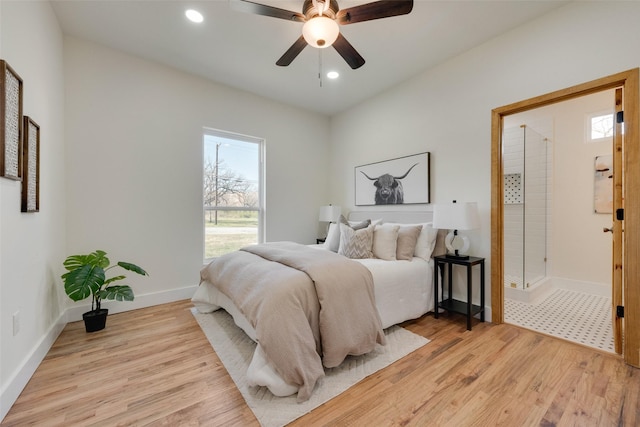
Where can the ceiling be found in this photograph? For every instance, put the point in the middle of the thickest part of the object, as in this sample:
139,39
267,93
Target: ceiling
240,49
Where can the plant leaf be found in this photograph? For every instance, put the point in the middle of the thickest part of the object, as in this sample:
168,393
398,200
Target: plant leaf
113,279
75,261
132,267
118,293
98,258
83,282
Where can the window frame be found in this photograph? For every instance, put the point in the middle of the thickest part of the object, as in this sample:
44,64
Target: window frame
589,126
212,132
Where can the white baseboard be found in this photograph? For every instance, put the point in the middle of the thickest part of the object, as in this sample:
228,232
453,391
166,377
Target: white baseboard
141,301
592,288
14,387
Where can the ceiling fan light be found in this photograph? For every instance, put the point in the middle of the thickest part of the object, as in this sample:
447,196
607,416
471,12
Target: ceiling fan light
320,31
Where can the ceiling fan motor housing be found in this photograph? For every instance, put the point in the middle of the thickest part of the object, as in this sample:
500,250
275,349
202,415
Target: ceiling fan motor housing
309,10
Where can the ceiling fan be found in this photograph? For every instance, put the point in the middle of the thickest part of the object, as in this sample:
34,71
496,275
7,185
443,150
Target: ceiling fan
321,20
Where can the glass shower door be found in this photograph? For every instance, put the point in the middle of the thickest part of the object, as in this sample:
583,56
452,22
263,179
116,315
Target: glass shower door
526,158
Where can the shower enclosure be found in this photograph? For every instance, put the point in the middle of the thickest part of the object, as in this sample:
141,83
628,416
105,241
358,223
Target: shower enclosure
526,207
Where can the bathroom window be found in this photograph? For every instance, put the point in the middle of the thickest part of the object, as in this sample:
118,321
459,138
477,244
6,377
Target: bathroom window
599,127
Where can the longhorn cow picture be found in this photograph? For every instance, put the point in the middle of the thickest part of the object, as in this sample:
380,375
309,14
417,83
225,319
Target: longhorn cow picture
393,182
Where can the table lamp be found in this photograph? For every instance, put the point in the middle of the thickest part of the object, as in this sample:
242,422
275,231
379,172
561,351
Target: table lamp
454,217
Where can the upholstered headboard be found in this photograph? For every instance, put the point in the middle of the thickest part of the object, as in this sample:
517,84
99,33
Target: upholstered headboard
403,217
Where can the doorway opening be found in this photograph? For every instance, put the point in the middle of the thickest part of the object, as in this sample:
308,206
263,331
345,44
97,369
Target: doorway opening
557,263
625,270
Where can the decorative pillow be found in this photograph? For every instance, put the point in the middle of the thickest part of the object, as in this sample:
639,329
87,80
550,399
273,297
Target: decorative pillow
407,240
355,244
426,240
332,242
385,238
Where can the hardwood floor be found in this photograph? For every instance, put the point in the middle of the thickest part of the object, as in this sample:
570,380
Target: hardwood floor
154,366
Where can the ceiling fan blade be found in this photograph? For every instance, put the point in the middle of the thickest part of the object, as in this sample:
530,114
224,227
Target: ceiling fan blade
348,52
263,9
375,10
292,52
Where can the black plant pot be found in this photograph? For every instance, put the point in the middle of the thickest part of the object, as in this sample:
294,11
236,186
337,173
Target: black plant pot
95,320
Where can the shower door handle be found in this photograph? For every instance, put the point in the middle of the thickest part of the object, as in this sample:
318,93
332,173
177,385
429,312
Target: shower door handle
605,229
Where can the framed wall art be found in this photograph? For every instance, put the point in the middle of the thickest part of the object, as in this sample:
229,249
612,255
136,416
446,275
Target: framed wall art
10,122
31,166
405,180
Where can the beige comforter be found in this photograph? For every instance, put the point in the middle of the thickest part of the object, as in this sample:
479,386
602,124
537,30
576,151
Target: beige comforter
309,307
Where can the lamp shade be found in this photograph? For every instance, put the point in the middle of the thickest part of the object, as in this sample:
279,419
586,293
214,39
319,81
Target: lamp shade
456,216
329,213
320,31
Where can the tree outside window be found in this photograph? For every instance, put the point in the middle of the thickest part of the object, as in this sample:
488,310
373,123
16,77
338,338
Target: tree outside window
231,192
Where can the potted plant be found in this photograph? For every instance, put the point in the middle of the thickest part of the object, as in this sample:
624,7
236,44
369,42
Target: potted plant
86,276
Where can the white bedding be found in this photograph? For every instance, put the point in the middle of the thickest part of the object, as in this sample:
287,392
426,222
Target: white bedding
403,291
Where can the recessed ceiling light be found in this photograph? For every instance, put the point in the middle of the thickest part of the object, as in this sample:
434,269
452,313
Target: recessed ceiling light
194,16
333,74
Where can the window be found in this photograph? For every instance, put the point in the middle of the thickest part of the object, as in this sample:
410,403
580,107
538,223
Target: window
599,127
232,190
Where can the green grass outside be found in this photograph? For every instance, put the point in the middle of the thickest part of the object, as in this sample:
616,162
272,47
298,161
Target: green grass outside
219,244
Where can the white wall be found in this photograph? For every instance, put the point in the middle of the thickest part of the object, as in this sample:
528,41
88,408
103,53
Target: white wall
134,163
121,162
33,244
447,110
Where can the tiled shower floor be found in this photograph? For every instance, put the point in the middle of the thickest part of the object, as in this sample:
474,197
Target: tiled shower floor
573,316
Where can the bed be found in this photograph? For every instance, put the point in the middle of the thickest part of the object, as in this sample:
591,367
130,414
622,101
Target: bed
383,291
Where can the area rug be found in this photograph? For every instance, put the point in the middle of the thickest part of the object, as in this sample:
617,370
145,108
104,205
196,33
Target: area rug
235,350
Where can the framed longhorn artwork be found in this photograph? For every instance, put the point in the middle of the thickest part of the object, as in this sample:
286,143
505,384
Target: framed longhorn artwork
401,181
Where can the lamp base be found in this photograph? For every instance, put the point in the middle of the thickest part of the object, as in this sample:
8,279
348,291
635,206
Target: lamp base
456,245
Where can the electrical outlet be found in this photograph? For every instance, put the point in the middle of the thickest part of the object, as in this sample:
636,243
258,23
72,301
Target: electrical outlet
16,323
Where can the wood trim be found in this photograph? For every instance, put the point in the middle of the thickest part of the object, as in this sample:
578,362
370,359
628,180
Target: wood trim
631,269
497,218
616,272
631,249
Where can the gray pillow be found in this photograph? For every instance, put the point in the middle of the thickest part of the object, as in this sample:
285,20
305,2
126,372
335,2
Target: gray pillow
355,226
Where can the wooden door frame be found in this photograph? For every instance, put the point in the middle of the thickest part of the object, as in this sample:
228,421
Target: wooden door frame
629,81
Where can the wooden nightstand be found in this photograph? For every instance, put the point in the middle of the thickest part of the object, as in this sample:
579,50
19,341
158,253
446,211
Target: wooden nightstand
467,308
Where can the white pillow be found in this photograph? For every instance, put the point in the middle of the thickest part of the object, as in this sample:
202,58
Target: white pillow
385,240
332,242
355,244
426,241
